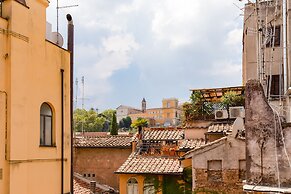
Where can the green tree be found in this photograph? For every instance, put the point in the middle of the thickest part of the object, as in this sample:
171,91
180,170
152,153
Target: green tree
230,99
121,123
108,114
125,122
88,121
197,108
140,122
114,126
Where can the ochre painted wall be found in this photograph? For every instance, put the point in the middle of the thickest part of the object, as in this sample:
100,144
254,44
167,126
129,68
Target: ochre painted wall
123,178
30,74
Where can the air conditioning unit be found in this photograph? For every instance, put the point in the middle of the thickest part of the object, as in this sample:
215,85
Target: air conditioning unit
238,111
221,114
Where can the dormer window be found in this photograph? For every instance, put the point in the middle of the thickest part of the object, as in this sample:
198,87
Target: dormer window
46,125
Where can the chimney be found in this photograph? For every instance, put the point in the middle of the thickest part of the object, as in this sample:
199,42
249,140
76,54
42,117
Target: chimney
93,187
133,145
71,49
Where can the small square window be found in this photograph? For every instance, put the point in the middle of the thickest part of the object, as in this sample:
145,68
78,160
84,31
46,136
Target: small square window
89,175
84,175
93,175
214,170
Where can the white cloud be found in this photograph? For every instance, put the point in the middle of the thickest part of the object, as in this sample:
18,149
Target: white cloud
234,37
173,20
115,53
225,68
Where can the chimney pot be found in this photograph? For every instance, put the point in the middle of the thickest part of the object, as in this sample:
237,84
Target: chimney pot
93,187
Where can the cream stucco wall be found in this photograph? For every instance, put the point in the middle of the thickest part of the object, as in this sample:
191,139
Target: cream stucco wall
30,74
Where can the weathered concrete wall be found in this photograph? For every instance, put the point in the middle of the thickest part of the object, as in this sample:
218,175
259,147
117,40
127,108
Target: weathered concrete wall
265,150
102,162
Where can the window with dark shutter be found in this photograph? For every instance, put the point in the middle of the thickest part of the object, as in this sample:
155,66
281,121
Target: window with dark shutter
269,36
275,86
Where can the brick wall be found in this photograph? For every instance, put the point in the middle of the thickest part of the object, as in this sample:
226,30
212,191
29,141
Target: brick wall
229,183
100,163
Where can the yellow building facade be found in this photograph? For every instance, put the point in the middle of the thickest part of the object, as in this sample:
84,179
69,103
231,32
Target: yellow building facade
168,115
33,111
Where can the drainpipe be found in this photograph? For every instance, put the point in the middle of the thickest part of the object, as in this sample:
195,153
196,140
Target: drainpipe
6,128
71,49
62,131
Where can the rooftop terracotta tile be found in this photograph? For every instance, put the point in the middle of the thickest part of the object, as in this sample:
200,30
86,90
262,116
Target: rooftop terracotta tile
188,144
220,128
104,141
82,186
163,134
150,165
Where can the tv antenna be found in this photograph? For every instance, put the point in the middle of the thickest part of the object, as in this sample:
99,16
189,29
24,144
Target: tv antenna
61,7
83,92
76,98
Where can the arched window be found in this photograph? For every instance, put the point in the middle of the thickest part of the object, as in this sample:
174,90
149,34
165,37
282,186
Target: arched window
132,186
46,125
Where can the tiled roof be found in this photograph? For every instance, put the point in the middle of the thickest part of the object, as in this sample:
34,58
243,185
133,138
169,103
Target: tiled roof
163,134
150,165
82,186
208,145
189,144
104,142
220,128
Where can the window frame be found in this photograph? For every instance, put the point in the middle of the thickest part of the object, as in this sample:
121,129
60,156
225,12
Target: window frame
43,126
276,38
133,185
214,174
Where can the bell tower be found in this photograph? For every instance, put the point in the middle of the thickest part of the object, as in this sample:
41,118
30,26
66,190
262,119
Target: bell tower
143,105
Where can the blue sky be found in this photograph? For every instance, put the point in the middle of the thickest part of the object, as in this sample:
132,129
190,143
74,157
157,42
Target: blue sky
130,49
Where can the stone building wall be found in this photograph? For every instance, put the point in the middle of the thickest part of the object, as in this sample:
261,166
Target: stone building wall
99,164
229,182
268,144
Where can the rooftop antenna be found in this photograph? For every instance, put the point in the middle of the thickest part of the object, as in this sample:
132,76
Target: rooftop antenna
83,91
83,83
61,7
76,98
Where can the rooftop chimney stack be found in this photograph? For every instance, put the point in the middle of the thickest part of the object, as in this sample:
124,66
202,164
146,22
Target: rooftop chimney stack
93,187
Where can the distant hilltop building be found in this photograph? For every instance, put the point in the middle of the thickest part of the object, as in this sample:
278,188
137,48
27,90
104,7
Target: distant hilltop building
168,115
123,112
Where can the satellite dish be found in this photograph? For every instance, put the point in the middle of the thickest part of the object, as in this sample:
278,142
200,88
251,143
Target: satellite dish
57,39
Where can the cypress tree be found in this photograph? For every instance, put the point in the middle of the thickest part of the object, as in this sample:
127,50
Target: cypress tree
114,127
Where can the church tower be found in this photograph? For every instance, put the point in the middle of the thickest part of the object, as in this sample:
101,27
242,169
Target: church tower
143,105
